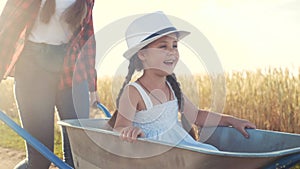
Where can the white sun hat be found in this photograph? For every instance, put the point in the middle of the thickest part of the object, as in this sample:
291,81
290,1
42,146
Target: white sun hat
147,29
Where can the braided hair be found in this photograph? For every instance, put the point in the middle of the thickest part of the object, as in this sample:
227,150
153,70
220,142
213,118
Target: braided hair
134,64
177,90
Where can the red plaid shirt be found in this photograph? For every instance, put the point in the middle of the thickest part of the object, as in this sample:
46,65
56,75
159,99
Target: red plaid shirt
16,21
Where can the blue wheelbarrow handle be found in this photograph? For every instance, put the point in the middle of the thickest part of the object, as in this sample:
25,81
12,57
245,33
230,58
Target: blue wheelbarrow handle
34,142
104,109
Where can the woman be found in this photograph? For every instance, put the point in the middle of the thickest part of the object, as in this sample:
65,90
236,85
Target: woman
149,106
51,45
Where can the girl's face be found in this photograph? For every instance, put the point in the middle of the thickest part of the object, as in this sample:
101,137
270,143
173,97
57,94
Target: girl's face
161,55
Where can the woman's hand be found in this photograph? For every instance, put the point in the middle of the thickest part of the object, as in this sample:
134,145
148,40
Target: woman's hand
131,133
241,125
94,98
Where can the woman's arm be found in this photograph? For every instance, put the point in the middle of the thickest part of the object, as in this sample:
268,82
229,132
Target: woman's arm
203,118
88,50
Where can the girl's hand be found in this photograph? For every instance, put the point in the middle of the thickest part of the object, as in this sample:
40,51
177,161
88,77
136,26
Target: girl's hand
131,133
241,125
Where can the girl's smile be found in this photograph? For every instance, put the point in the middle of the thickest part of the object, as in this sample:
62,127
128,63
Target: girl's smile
161,54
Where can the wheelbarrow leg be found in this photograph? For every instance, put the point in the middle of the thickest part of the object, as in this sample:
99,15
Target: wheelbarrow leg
34,142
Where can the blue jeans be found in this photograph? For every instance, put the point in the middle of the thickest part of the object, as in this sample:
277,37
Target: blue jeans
37,95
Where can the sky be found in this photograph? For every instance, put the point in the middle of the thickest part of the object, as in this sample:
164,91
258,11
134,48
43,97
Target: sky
245,34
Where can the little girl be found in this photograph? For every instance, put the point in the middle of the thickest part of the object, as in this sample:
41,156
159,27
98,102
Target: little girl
149,106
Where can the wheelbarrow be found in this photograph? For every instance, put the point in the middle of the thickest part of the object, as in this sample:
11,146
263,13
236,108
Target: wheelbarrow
94,145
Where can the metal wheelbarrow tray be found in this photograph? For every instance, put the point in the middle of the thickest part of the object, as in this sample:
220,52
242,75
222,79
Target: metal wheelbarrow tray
95,146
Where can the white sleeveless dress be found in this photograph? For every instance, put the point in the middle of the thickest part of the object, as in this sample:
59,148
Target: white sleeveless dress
160,122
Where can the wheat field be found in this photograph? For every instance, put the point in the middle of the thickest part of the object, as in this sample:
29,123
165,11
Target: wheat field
269,98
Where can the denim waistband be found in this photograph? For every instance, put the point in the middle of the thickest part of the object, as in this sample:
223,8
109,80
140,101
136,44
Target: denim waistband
49,57
45,48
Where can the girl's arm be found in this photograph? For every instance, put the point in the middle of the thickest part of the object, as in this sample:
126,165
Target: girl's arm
126,112
203,118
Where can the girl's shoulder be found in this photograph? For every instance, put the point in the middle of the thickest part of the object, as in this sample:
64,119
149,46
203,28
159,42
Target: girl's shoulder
134,87
131,91
133,96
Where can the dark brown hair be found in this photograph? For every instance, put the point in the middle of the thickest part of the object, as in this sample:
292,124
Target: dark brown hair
73,15
136,64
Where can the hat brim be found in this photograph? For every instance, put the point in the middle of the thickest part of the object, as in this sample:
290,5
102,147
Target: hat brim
132,51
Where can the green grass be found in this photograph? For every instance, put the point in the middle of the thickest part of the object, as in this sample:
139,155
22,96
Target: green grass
10,139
